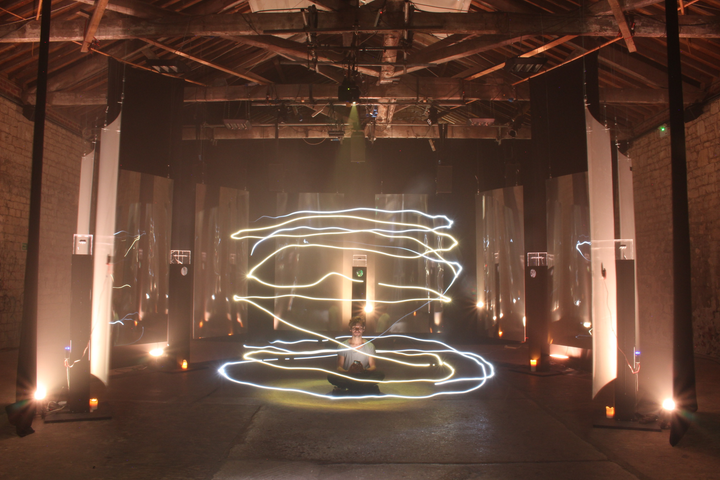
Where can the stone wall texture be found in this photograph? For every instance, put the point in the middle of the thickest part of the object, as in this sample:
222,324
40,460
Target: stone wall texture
650,157
63,151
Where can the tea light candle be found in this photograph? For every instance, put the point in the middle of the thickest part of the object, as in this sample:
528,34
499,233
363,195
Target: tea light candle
610,412
93,404
533,364
184,365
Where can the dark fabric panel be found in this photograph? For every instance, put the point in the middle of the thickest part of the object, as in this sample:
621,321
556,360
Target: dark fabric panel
151,113
115,86
558,116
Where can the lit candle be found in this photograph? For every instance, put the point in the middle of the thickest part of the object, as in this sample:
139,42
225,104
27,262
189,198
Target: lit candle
533,364
93,404
184,365
610,412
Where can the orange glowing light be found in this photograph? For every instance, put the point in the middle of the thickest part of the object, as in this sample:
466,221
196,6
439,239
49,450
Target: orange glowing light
610,412
93,404
184,364
499,333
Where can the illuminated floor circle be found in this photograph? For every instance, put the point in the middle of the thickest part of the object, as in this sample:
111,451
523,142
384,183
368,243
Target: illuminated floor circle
300,371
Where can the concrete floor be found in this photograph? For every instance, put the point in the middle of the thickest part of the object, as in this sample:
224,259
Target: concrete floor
198,425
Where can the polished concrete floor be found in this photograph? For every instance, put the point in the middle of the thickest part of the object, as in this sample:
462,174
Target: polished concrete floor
199,425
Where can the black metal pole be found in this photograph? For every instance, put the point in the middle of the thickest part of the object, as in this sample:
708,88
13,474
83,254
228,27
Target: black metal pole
26,382
683,355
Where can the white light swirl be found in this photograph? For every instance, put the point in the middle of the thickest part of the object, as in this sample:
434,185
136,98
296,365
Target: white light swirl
444,373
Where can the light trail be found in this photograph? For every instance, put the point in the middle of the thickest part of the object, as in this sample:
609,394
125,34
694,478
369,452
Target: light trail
443,374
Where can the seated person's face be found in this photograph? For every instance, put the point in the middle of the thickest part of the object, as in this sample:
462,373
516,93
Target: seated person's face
357,329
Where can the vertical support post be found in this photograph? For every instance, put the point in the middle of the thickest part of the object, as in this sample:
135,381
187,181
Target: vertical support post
683,354
80,325
26,382
626,381
537,305
181,281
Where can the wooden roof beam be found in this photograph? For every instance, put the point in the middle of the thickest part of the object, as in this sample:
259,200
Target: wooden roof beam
509,25
258,132
249,76
304,95
623,25
133,8
531,53
93,24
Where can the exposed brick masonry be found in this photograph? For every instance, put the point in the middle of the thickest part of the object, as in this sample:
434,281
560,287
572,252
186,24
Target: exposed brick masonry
650,156
61,173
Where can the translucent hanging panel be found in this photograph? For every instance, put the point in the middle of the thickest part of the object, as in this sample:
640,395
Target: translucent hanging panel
602,234
304,256
500,265
221,262
140,259
569,252
392,312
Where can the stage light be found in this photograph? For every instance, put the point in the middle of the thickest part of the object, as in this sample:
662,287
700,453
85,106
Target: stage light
668,404
433,117
40,393
587,324
156,352
480,304
162,65
481,122
529,65
369,308
348,91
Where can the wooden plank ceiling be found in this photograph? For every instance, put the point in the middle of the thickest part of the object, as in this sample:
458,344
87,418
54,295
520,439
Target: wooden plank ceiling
278,63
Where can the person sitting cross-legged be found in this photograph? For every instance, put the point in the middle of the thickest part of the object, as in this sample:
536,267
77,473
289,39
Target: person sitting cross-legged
355,360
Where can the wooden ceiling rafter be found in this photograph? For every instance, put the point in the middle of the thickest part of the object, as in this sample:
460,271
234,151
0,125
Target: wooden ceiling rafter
242,73
277,23
93,24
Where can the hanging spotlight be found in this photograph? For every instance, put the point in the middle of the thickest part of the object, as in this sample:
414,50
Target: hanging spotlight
349,92
432,118
530,65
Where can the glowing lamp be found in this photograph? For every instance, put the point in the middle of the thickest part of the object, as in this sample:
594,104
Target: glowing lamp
480,304
40,393
156,352
93,404
610,412
368,308
499,333
184,365
533,364
668,404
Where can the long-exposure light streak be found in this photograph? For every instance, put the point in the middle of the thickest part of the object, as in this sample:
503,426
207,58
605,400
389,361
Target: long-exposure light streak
429,360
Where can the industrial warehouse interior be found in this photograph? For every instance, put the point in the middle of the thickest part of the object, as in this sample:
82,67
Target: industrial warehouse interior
515,201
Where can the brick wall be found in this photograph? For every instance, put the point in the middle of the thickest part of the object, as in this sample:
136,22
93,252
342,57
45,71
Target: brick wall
61,172
650,157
